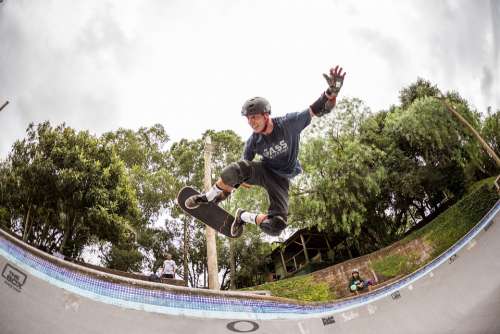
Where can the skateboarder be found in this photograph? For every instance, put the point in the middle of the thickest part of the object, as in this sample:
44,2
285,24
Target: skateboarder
276,140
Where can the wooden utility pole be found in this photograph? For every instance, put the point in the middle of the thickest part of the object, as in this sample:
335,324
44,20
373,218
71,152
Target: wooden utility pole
185,249
213,272
306,254
232,264
4,105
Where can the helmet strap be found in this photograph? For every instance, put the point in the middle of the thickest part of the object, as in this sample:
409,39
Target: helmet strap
266,115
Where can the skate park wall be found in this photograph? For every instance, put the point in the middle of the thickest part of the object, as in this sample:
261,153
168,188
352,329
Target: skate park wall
458,292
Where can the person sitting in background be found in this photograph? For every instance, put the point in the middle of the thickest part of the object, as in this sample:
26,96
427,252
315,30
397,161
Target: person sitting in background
169,267
356,283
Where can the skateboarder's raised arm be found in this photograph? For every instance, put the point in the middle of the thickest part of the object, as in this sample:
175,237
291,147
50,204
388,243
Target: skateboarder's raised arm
298,121
326,102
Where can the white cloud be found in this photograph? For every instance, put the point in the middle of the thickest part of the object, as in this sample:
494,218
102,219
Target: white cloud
190,65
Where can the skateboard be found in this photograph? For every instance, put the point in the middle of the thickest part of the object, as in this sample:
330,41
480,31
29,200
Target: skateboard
210,214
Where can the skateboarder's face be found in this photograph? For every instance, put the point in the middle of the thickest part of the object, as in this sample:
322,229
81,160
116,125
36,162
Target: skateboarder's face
257,122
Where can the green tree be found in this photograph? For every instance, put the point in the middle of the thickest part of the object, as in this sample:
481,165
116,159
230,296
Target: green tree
145,155
429,156
185,163
490,131
341,176
66,188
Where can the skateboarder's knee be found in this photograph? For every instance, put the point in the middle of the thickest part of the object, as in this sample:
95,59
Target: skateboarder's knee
236,173
230,174
273,225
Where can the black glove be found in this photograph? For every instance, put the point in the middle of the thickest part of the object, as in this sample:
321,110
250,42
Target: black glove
335,81
327,100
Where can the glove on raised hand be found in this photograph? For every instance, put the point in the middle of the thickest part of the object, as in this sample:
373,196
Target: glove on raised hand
325,103
335,81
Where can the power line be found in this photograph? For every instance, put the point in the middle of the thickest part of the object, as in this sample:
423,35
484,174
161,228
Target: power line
6,102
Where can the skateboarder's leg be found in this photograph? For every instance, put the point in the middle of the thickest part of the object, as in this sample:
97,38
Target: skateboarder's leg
231,177
237,173
250,173
277,187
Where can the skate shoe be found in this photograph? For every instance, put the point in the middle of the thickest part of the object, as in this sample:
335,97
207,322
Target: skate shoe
238,223
195,201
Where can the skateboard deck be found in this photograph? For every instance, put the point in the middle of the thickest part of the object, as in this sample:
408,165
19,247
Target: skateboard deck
210,214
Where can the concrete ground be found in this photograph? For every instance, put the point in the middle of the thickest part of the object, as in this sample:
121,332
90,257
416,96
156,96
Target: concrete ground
458,293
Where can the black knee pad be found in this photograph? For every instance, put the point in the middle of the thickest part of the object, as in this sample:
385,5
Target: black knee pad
236,173
273,225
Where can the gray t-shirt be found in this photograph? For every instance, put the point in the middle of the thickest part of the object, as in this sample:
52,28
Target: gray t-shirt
169,267
279,150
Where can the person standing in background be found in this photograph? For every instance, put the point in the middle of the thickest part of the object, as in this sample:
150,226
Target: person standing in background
169,267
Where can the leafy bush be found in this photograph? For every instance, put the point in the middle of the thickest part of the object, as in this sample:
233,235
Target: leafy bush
457,220
302,288
394,265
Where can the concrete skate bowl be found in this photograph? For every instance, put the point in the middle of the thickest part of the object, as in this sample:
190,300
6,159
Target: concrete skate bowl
458,292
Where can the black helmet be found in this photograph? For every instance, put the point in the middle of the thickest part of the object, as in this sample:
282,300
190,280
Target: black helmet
256,105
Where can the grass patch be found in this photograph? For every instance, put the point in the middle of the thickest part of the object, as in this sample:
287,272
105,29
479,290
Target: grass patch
396,264
302,288
457,220
476,186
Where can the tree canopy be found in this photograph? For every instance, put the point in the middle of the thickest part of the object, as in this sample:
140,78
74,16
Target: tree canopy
61,189
369,178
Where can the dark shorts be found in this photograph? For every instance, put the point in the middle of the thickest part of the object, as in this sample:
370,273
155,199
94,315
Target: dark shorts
276,186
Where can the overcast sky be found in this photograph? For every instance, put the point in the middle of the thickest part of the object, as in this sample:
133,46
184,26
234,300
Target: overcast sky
189,65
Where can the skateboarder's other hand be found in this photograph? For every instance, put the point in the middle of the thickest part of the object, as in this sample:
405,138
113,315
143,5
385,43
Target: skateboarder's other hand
246,185
335,80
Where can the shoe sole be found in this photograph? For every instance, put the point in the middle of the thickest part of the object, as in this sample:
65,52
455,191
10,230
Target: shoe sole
240,230
191,207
